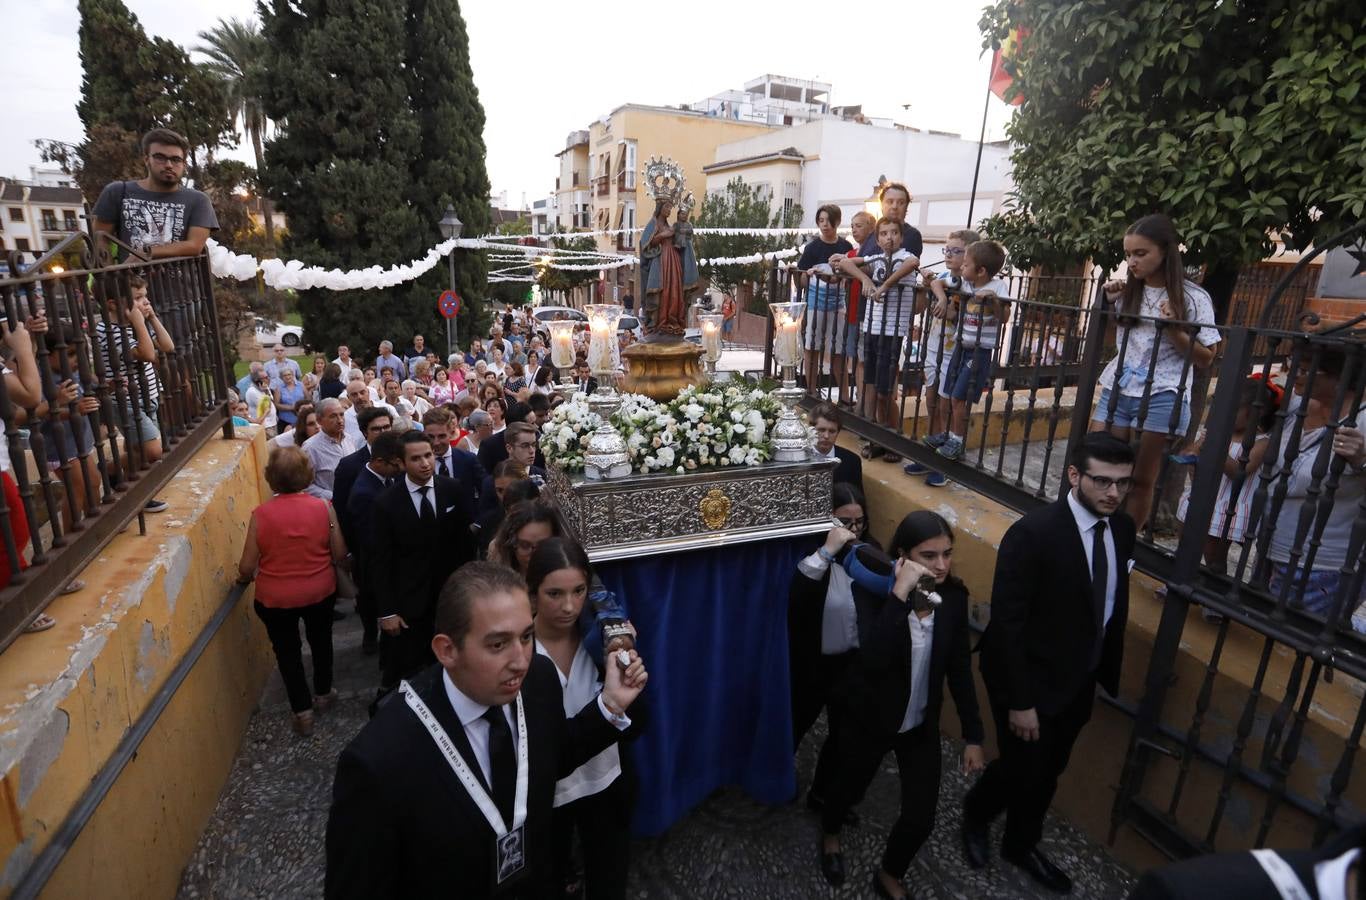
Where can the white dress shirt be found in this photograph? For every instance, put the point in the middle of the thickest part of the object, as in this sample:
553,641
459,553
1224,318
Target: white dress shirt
1086,523
324,453
839,620
581,685
449,460
415,494
922,636
817,455
1330,876
471,716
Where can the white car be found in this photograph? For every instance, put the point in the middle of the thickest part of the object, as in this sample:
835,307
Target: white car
270,333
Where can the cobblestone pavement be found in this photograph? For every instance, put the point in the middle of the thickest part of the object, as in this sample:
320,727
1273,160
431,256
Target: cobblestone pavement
265,838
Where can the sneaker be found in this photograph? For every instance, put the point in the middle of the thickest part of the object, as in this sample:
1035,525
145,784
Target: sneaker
915,468
936,479
936,440
156,506
952,448
891,456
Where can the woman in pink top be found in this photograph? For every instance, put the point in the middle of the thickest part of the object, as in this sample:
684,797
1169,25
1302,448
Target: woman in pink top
292,542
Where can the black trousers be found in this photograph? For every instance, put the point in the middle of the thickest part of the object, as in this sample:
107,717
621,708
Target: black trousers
282,626
917,762
367,607
1022,780
407,653
812,691
603,824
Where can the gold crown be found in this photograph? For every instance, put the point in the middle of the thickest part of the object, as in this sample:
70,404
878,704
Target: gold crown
664,179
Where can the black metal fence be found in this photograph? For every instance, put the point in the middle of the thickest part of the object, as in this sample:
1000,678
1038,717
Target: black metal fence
1249,492
114,377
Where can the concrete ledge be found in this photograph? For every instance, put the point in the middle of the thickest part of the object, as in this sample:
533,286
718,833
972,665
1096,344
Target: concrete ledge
1086,793
68,695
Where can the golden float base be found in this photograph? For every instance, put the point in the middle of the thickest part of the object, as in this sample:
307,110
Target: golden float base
661,370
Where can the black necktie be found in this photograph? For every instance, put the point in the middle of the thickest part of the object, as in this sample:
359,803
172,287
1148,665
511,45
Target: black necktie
1100,574
502,762
428,514
445,469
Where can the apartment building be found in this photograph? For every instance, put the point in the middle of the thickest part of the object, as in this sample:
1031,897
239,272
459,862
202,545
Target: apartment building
35,217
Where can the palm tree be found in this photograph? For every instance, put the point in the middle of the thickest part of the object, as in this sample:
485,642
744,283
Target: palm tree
236,52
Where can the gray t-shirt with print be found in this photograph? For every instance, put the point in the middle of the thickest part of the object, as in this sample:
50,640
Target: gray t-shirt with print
144,219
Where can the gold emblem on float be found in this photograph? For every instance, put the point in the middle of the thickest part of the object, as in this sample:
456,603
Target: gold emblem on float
715,509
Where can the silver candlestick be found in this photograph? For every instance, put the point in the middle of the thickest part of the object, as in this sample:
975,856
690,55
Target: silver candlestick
791,441
605,457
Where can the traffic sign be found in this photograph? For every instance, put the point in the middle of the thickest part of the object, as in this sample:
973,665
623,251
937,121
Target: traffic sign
449,304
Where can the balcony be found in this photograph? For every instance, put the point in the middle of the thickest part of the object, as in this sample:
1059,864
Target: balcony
51,225
602,185
626,180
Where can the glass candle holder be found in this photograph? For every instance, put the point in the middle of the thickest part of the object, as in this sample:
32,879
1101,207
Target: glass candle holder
562,352
791,441
787,332
710,324
605,456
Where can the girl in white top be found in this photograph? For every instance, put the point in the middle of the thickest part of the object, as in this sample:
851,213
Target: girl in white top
1156,289
595,798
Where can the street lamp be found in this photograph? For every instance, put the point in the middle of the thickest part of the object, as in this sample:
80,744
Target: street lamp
451,227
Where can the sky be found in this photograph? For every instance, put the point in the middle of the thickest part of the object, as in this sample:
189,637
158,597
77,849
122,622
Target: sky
546,68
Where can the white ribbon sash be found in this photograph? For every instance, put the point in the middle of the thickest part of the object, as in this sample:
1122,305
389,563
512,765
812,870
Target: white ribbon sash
1287,883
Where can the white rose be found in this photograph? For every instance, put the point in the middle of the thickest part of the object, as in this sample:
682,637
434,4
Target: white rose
735,416
738,429
665,456
736,455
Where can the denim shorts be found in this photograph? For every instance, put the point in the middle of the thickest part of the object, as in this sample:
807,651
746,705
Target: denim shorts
1159,412
882,356
143,426
77,439
969,373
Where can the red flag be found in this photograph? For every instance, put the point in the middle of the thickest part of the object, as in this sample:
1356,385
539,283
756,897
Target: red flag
1003,68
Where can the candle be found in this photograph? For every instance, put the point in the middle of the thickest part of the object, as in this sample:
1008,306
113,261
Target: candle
562,349
787,341
600,357
711,341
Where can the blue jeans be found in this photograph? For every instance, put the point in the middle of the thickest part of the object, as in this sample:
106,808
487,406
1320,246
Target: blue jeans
1157,418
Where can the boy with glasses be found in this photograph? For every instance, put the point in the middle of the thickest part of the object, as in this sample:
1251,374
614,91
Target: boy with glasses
157,215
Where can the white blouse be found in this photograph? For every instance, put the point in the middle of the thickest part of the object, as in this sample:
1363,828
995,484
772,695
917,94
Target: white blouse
581,687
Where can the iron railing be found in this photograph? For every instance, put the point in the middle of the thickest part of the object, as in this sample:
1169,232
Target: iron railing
79,406
1276,549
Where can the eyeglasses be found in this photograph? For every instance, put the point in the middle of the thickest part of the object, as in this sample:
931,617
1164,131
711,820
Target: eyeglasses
163,159
853,524
1123,485
954,251
523,445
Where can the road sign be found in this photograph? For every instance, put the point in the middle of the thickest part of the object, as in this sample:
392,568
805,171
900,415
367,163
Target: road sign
449,304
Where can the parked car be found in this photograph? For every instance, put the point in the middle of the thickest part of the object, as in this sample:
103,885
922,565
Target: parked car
270,333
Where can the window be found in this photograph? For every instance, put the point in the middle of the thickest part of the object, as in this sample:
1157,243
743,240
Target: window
788,203
70,217
763,191
21,243
629,238
630,165
49,220
16,214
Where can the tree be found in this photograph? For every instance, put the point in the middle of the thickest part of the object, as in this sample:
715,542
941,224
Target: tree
563,281
236,56
1236,119
378,129
740,205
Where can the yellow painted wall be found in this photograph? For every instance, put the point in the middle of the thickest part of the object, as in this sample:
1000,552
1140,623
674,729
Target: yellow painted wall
69,694
1087,790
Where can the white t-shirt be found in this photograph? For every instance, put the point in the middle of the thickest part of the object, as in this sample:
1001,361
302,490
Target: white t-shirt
892,314
1137,339
977,325
5,464
258,401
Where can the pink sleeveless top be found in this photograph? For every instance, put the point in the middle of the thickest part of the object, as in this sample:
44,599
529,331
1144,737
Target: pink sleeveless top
292,533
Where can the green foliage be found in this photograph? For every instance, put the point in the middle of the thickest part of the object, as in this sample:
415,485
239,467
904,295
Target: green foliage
739,205
1236,119
560,280
520,226
380,127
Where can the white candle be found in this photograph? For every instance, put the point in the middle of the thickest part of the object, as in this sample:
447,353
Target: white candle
600,357
562,349
787,341
711,341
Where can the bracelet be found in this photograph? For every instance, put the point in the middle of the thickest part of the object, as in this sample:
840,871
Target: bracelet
825,555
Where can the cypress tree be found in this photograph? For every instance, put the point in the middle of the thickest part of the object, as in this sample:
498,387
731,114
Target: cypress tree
379,128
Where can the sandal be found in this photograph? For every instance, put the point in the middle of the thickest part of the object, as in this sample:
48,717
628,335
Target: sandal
42,623
73,586
867,451
303,723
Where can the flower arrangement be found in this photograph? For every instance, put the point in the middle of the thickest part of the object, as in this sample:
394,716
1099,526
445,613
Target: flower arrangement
708,427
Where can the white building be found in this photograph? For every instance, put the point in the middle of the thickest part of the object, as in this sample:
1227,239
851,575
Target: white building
840,161
770,100
35,217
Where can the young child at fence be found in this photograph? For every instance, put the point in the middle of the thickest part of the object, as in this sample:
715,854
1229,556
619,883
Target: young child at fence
982,308
890,306
940,341
68,439
860,226
1230,512
1156,288
825,316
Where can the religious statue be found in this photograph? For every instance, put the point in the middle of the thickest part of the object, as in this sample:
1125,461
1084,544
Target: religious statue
668,266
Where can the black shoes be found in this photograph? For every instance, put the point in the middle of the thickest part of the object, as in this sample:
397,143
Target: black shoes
817,806
975,847
1038,867
832,866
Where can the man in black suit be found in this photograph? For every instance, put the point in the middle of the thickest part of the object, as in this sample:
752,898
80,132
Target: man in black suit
522,450
419,534
583,378
383,466
493,450
372,422
825,418
1330,872
411,818
1058,608
452,462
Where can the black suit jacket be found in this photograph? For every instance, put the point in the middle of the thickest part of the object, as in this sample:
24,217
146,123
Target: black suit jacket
588,388
1036,652
879,685
344,479
850,468
359,505
1238,874
465,469
402,826
494,449
488,497
408,564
